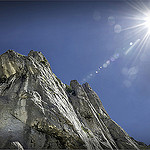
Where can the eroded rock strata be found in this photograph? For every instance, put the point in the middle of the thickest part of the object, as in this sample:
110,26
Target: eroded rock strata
38,111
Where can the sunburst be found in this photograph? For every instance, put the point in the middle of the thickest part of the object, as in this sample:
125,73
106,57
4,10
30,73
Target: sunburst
147,23
143,16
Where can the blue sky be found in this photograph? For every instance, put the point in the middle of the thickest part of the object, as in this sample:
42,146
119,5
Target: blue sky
79,37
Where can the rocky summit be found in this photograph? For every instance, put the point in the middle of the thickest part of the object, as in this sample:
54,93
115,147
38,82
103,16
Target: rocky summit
38,111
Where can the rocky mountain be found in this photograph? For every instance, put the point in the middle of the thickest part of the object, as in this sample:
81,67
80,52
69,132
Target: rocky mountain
38,111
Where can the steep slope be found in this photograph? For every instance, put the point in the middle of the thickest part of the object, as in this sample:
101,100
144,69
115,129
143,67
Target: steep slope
38,111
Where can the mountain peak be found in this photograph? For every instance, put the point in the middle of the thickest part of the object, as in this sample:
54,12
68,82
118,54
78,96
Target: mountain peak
38,111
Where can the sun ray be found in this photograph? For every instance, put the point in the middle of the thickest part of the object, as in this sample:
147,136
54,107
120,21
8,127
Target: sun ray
137,7
132,27
141,46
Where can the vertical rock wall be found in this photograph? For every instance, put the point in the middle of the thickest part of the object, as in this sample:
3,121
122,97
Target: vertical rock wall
38,111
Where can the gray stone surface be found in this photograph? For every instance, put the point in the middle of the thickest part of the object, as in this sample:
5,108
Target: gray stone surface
38,111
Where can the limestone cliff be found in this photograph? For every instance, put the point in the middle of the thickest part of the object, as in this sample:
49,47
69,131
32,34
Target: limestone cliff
38,111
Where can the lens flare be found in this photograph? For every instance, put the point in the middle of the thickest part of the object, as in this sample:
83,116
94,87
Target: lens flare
139,33
131,43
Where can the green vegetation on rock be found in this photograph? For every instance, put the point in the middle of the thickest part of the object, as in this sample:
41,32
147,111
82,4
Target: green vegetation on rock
20,55
85,129
58,80
68,88
44,61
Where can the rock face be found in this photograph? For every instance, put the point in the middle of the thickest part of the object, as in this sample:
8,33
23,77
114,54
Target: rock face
38,111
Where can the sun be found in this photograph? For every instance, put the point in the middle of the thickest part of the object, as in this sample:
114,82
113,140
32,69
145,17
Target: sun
141,26
147,23
143,16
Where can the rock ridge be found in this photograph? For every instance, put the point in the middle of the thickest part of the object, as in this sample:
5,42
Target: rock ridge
38,111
